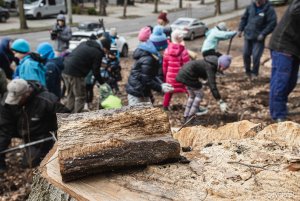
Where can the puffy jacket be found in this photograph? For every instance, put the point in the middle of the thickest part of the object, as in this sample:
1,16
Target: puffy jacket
85,57
213,37
175,56
143,76
54,69
286,37
205,69
63,38
6,57
256,21
30,69
35,119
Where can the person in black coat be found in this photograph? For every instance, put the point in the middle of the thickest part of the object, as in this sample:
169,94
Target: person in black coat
285,54
205,69
258,21
85,57
28,111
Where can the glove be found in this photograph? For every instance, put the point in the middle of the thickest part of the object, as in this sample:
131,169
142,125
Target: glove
166,87
239,34
260,37
223,106
235,33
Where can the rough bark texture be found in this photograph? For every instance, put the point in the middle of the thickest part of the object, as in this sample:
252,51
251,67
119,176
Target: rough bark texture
103,141
238,161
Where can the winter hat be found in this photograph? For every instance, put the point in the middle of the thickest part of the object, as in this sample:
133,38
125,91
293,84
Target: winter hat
224,61
16,89
222,26
163,16
45,50
61,17
177,36
144,34
113,32
159,38
21,46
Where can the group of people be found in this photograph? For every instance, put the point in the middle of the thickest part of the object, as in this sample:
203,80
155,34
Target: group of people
162,63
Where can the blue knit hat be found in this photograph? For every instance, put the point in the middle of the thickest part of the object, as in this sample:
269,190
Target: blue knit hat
21,46
224,61
45,50
159,38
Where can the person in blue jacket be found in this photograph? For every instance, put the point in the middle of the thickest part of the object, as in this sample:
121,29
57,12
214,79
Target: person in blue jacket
54,66
7,57
285,54
213,37
31,65
258,21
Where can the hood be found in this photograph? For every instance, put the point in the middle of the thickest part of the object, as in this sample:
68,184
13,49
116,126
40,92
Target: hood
148,47
4,44
212,60
175,49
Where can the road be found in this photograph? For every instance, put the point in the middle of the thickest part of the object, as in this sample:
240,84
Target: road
129,27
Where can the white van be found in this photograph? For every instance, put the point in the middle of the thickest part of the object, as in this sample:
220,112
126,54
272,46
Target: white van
41,8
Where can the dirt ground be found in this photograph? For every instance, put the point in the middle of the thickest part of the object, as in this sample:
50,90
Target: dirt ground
247,99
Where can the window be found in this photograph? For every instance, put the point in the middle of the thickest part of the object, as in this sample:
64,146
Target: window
52,2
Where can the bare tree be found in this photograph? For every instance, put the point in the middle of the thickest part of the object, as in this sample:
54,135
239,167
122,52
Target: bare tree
218,7
125,8
202,2
156,6
23,23
69,5
236,6
102,8
180,3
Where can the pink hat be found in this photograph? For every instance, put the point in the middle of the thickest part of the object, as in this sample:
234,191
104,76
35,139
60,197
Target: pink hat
144,34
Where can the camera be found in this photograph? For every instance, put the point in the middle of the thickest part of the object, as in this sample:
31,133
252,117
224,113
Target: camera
55,32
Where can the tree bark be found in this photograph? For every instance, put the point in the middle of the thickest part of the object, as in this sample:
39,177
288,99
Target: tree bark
180,3
218,7
22,17
236,6
125,8
116,139
102,8
69,5
202,2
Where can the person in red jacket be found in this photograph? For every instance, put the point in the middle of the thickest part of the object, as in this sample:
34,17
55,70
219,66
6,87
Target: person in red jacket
175,56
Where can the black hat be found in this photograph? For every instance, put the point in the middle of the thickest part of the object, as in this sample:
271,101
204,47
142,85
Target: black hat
105,42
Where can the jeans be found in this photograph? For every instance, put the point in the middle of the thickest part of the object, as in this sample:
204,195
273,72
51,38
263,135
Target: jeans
283,80
256,49
133,100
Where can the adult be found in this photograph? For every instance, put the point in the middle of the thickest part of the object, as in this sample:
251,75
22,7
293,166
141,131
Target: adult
85,57
175,56
54,66
258,21
205,69
7,57
31,65
285,53
28,111
61,34
144,74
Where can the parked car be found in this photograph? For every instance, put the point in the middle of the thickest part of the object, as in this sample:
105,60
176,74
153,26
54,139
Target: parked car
87,30
42,8
191,27
278,2
4,14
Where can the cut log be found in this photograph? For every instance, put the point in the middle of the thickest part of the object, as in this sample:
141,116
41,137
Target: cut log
108,140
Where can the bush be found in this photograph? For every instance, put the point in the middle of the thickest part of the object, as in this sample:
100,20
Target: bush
76,9
2,3
92,11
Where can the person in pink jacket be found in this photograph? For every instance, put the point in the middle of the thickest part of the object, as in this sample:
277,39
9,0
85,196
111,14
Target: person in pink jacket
175,56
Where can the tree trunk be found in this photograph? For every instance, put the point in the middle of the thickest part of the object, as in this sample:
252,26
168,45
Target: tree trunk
180,3
112,140
156,6
102,8
202,2
218,7
22,17
95,4
125,8
236,6
69,5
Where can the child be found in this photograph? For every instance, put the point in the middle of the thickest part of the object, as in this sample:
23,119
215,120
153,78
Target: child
205,69
213,37
143,76
175,56
107,100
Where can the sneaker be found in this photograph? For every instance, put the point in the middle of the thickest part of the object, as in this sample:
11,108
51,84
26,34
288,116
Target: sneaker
280,120
254,76
202,111
220,74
